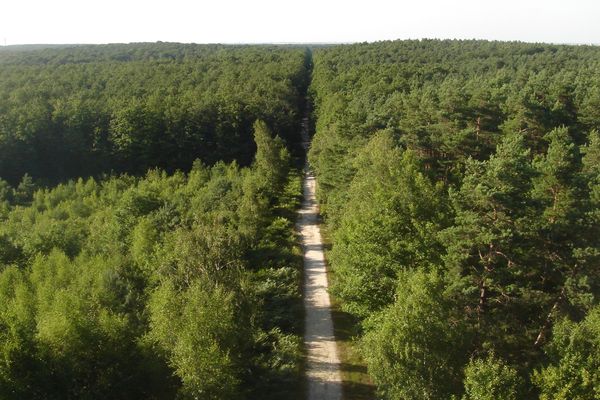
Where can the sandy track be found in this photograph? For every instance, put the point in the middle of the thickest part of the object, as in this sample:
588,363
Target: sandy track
323,365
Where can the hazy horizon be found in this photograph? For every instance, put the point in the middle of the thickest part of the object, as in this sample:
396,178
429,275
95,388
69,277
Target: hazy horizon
269,21
287,43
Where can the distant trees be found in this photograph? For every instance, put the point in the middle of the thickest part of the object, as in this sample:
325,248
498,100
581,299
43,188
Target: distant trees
88,110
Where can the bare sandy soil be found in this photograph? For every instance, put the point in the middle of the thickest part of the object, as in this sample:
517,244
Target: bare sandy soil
323,364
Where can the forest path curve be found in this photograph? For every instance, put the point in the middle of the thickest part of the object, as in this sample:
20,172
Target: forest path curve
323,364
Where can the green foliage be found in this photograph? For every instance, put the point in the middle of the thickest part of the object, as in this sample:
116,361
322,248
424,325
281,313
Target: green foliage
591,177
87,110
486,243
70,333
383,230
490,379
574,369
459,179
475,159
272,159
155,278
196,327
415,347
23,194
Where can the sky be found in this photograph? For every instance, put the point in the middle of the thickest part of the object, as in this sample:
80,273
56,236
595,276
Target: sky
299,21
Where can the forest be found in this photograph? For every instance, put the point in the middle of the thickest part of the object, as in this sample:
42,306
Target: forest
88,110
460,185
148,195
146,214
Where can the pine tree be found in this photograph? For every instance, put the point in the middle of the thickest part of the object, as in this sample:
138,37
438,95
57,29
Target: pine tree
485,246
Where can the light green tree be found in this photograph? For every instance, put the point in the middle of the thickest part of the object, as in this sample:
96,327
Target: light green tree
574,369
491,379
415,349
389,224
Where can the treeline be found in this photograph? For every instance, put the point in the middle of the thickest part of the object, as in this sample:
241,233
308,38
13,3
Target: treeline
181,285
460,181
87,110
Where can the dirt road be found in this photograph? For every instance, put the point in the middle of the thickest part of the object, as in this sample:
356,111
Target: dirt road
323,365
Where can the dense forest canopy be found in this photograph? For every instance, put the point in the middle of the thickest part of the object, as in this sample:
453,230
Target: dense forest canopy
87,110
167,267
459,180
147,199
